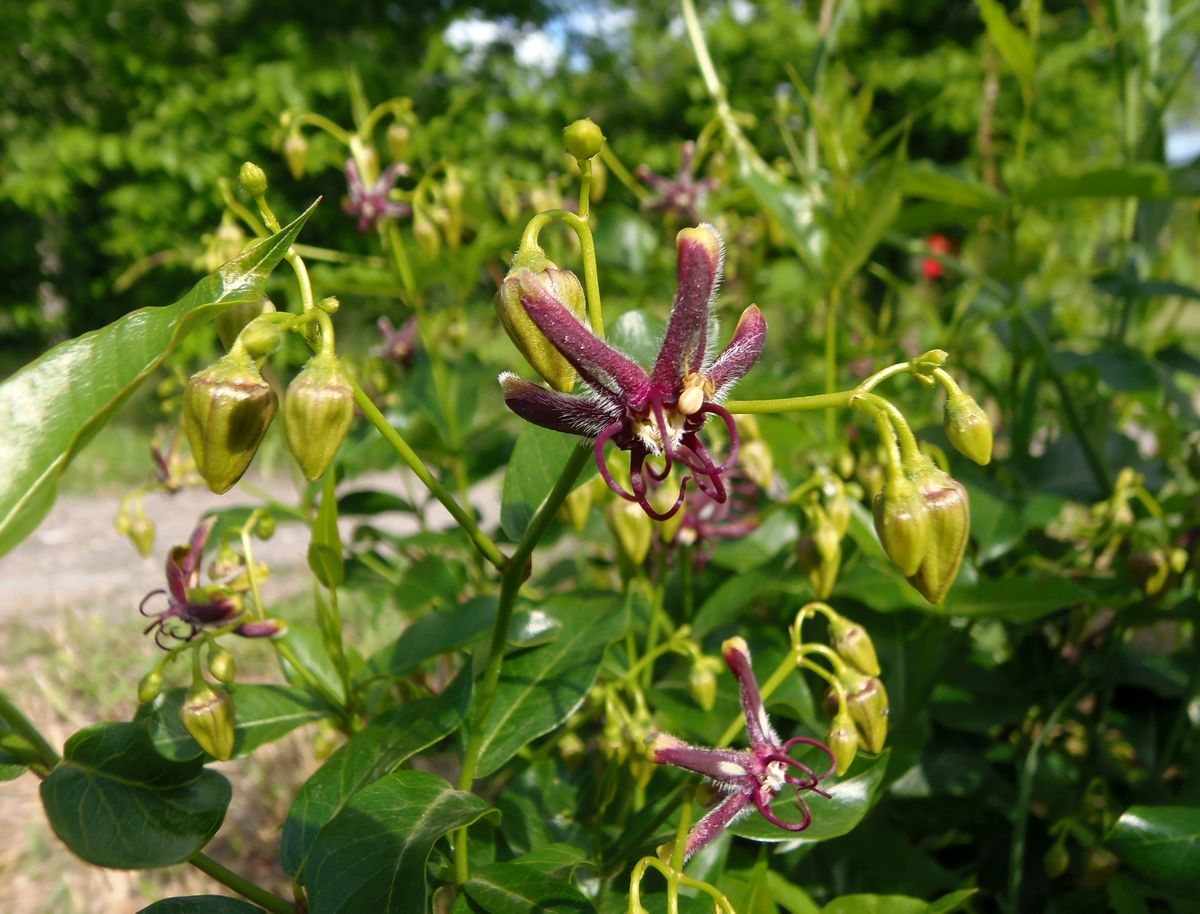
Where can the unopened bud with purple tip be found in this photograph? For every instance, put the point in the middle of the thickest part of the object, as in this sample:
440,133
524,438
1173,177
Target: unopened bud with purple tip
531,270
207,714
949,528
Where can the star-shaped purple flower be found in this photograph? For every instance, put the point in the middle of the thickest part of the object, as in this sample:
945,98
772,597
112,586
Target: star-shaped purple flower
682,195
373,204
706,521
660,413
751,778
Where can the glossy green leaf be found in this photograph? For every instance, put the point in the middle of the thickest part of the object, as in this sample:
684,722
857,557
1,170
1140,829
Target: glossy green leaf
749,891
536,463
372,855
116,802
378,749
554,859
325,550
951,902
1013,599
791,898
263,714
541,687
309,645
1161,843
514,888
875,904
202,904
850,799
433,634
1013,44
55,405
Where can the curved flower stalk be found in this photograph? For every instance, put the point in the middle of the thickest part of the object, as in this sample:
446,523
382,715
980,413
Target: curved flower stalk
655,414
750,778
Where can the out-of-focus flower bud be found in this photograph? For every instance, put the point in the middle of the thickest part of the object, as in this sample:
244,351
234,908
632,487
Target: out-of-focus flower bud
633,529
317,412
261,337
398,136
902,523
222,665
854,645
1056,861
828,545
576,507
267,628
425,231
1099,866
583,139
149,687
1150,571
226,563
702,681
949,528
207,714
295,153
968,427
820,569
233,320
227,409
837,509
756,459
141,534
867,704
252,179
572,749
843,740
264,527
533,274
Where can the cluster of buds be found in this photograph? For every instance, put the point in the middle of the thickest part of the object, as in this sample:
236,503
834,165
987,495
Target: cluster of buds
827,516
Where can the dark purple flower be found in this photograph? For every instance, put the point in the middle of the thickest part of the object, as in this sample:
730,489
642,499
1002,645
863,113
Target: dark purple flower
660,413
194,606
681,195
749,778
706,520
373,204
399,343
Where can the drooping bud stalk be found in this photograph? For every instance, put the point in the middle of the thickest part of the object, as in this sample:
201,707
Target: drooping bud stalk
233,320
633,529
318,410
149,687
207,714
968,427
843,740
530,269
295,153
853,644
949,529
227,409
583,139
867,705
902,523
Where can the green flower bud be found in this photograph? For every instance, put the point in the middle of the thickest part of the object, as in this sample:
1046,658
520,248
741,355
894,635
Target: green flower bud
1099,866
227,409
233,320
572,750
820,564
222,665
532,269
141,534
149,687
702,681
576,507
902,523
968,427
317,412
949,528
397,139
1056,861
854,645
756,459
252,179
867,704
583,139
207,714
261,337
295,153
264,527
633,529
426,233
843,740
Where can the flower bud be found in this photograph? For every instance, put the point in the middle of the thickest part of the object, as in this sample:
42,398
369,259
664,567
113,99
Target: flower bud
902,524
295,153
633,529
821,569
227,408
532,273
317,412
261,337
702,681
149,687
583,139
426,233
1150,571
867,704
252,179
207,714
141,534
571,749
576,507
968,427
1056,861
233,320
222,665
397,139
264,528
949,528
837,508
854,645
756,459
843,740
226,563
1099,866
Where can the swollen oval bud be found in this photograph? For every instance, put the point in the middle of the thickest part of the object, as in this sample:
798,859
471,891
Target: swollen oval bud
902,523
949,528
867,705
397,139
854,645
222,665
233,320
317,412
207,714
633,529
227,409
1056,861
702,682
532,273
583,139
252,179
843,741
968,427
150,686
141,534
295,153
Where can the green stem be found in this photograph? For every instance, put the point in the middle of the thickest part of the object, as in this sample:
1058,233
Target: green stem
480,540
832,307
614,165
587,247
791,404
241,885
23,726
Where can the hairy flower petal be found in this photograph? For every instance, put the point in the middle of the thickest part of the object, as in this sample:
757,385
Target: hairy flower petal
701,256
733,808
758,727
556,411
741,353
726,766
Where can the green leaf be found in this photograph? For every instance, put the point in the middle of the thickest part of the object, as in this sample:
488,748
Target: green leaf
927,181
1014,599
432,579
1144,180
554,859
951,902
55,405
542,687
262,714
791,898
116,802
309,646
537,460
513,888
378,749
1013,44
875,904
749,891
855,227
1161,843
372,856
850,799
433,634
202,904
325,550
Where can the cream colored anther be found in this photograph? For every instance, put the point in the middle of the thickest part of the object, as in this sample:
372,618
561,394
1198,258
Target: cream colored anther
692,397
